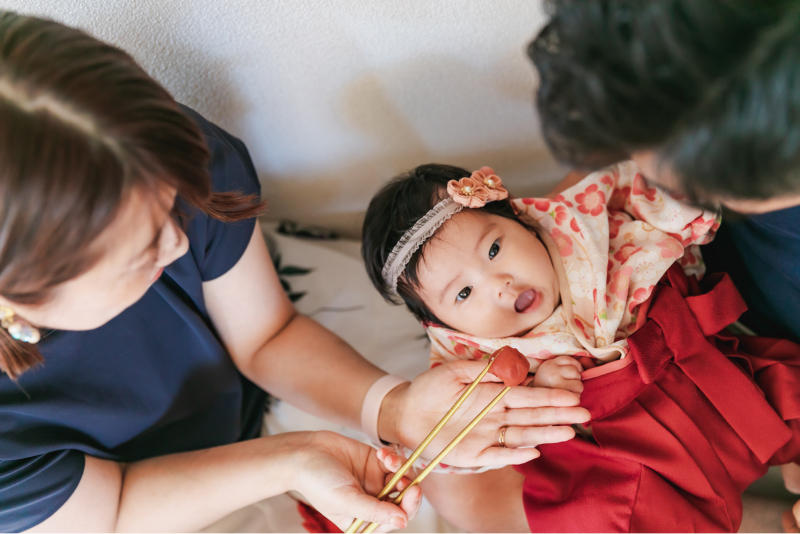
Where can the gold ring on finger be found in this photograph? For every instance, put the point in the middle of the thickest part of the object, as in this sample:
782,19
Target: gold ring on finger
501,437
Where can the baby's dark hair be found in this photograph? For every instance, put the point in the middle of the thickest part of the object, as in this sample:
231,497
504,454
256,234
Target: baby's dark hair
396,208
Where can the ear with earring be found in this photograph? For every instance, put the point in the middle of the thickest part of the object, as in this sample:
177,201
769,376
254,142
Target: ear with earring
17,327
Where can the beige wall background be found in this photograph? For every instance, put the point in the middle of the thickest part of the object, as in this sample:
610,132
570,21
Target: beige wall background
334,97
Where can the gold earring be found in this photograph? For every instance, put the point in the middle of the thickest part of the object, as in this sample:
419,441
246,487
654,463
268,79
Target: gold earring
17,327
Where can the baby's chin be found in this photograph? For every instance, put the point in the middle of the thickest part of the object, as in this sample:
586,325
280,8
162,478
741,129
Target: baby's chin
522,326
517,329
522,332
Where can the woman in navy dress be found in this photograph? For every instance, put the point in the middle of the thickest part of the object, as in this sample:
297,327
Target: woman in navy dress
142,320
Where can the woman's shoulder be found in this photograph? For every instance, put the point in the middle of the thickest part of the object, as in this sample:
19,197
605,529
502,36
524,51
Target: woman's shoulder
216,245
230,165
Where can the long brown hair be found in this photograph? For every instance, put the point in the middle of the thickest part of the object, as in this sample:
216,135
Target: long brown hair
81,124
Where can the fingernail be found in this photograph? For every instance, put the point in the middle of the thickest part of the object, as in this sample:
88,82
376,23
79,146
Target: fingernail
399,521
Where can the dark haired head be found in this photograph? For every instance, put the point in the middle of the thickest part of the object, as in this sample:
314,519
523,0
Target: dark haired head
82,126
712,86
394,210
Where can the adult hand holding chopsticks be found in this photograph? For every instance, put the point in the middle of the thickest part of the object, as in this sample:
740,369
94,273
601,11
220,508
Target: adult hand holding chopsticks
530,416
340,476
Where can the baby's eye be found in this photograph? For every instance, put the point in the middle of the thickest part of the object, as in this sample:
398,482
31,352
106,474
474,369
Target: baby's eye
464,293
494,249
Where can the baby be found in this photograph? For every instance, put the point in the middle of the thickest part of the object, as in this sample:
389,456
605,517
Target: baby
599,288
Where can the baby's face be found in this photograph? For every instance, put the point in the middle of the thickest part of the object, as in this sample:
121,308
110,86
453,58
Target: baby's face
488,276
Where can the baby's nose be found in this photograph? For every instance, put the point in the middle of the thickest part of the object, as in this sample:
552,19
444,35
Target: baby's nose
504,286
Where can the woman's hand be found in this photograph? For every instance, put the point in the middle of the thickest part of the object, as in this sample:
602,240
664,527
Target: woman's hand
532,415
339,477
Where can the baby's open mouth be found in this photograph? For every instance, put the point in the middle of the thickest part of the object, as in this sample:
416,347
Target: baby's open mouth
526,301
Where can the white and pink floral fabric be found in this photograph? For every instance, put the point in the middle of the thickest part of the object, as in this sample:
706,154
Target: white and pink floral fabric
611,237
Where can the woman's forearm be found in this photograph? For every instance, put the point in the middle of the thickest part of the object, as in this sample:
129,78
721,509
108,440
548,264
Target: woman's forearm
314,369
178,492
291,356
188,491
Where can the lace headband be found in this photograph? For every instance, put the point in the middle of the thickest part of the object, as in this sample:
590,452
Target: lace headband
473,191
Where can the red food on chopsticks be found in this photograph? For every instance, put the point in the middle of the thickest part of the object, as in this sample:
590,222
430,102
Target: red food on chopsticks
510,366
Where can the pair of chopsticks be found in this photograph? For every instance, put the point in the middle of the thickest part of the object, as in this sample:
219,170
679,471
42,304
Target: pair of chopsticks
511,368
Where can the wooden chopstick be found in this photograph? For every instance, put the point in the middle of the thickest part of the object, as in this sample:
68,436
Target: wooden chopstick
425,442
439,457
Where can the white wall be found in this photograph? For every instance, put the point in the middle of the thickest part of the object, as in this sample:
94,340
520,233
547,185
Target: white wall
334,97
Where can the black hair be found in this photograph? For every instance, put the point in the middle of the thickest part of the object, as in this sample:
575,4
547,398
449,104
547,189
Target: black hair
394,210
712,85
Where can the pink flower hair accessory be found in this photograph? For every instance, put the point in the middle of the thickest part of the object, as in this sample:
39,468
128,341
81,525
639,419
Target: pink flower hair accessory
493,183
476,190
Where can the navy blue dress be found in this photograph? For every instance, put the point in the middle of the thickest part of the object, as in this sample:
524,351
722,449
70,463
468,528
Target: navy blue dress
762,255
154,380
